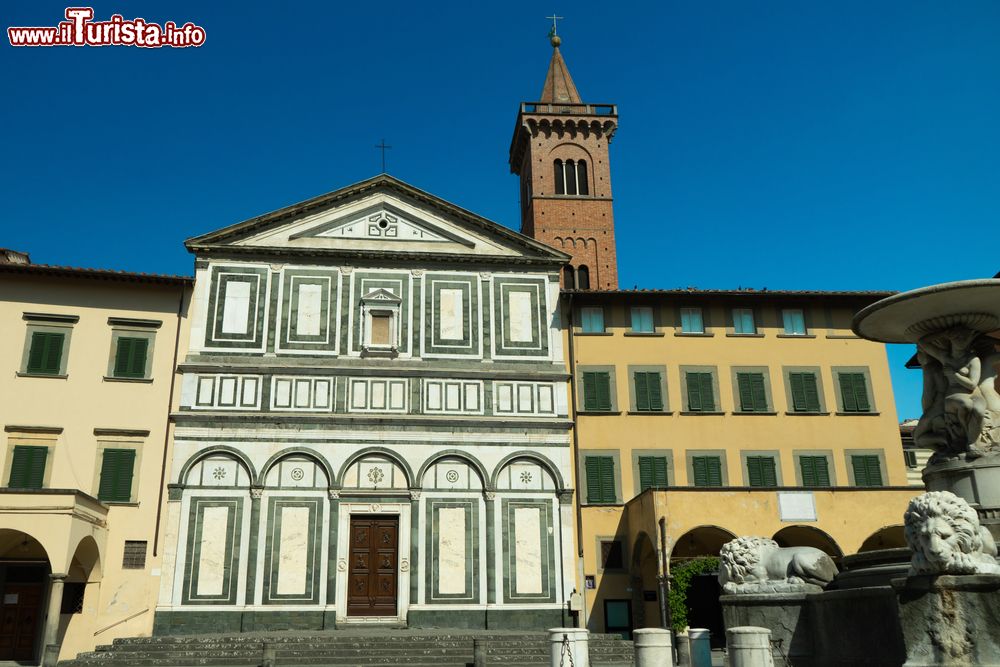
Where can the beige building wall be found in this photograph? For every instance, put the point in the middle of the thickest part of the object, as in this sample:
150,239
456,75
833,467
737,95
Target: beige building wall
76,413
846,515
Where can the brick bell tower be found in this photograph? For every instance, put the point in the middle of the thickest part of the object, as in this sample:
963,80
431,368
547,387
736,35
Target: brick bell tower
560,151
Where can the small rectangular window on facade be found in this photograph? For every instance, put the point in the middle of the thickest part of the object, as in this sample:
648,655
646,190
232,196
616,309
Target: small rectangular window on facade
72,597
691,321
815,470
592,319
700,394
27,468
381,329
753,395
648,392
854,392
600,471
867,470
652,472
642,320
130,357
761,471
45,353
794,321
611,555
910,457
134,557
596,391
117,469
743,321
707,470
805,392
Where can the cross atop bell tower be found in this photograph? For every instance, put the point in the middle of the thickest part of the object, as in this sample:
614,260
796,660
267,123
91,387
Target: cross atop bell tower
560,152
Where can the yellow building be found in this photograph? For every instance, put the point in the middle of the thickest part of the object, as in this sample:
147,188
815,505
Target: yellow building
87,382
706,415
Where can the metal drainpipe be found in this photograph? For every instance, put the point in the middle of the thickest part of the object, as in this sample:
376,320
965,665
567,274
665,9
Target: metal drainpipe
576,451
166,432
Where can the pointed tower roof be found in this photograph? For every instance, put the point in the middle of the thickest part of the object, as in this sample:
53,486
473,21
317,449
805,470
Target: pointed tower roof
559,86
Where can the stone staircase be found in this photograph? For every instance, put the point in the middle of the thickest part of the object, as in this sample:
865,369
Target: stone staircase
347,648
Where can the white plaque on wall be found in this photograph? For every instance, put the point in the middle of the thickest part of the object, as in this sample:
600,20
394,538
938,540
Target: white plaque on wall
796,506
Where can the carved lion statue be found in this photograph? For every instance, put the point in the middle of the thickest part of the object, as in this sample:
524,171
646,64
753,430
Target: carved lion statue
759,565
945,535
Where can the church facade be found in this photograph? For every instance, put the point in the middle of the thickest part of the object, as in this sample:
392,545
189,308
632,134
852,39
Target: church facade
373,424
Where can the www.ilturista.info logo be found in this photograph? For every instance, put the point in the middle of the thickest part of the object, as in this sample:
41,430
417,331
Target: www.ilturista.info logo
79,29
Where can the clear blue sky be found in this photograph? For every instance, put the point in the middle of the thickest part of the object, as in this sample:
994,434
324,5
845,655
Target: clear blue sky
780,144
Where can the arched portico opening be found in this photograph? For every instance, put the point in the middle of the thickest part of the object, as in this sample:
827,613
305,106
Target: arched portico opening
24,588
702,596
887,537
807,536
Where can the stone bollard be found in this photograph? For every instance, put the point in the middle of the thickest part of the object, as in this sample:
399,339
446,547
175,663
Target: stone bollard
699,647
50,655
569,646
653,648
268,657
683,650
749,647
479,652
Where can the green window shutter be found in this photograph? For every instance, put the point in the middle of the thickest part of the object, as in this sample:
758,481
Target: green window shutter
130,358
603,391
746,394
714,471
116,475
608,479
874,470
701,398
45,354
707,470
854,392
600,472
596,391
867,471
642,393
655,392
593,466
805,393
815,471
753,397
589,391
754,470
707,394
27,469
652,472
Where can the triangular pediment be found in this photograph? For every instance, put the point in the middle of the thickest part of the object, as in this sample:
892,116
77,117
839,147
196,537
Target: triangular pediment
379,217
380,295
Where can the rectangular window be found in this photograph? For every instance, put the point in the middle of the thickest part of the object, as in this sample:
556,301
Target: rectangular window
854,392
707,470
134,557
743,321
45,354
642,320
72,597
652,472
130,357
381,333
116,476
592,320
867,470
910,457
794,321
648,392
596,391
753,396
761,471
815,470
691,321
611,555
700,394
27,468
805,392
600,472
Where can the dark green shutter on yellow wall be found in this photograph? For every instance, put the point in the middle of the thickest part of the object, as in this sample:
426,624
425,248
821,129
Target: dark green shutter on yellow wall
867,470
600,479
854,392
753,398
652,472
27,468
761,472
45,355
596,391
815,471
805,394
648,395
701,397
130,357
707,470
116,475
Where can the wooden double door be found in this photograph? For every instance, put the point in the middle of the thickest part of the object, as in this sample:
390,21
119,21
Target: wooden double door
21,600
373,570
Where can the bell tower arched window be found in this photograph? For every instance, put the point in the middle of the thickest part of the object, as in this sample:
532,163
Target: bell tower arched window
581,178
569,277
560,178
571,177
582,277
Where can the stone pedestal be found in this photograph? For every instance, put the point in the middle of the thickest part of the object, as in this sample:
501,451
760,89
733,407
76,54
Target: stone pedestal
950,620
786,615
976,481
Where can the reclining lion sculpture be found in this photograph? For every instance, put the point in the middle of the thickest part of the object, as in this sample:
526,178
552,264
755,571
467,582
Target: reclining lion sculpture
945,535
759,565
